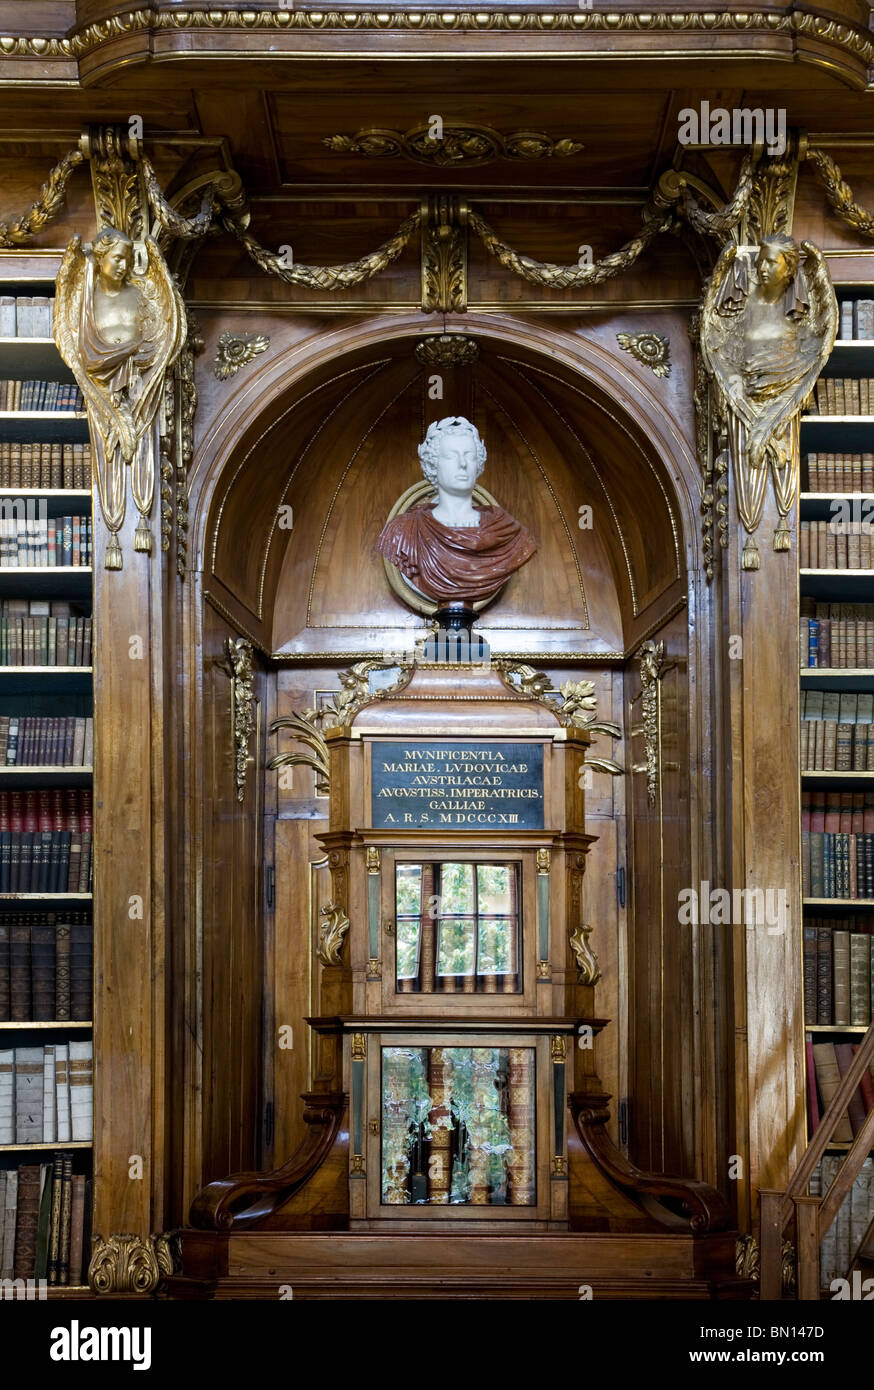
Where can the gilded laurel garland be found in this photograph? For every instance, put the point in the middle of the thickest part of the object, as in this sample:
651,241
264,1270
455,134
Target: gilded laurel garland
20,231
840,194
325,277
722,221
457,145
560,277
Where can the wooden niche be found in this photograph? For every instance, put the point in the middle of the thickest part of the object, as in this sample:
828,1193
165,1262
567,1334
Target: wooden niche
455,1035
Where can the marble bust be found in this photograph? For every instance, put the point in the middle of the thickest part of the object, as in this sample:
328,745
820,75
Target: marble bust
451,550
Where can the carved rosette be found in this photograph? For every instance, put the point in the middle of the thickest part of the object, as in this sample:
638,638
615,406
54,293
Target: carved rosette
129,1264
235,350
447,350
652,349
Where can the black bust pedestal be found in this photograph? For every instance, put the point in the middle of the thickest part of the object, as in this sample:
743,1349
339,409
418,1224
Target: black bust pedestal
455,641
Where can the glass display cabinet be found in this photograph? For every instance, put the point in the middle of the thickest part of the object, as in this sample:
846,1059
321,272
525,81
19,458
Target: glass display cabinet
460,1004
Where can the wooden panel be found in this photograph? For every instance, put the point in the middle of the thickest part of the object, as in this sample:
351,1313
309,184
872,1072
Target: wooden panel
233,961
663,1085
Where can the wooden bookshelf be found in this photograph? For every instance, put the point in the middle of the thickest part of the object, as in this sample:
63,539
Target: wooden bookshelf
37,1148
840,434
44,690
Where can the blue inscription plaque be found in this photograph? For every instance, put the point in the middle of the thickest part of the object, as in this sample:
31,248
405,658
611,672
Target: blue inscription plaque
457,784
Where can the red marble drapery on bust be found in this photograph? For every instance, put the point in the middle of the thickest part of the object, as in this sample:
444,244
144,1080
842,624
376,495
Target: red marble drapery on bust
452,564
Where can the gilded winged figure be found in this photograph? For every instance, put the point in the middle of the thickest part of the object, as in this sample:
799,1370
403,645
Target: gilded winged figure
119,329
769,323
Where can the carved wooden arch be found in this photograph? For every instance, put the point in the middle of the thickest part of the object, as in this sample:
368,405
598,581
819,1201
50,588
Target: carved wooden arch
645,406
641,444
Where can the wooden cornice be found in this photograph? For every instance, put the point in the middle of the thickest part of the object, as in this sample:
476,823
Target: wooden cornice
835,40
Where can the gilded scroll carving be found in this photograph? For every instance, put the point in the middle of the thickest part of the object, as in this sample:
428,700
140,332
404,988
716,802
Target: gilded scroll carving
120,328
457,145
332,933
767,327
587,962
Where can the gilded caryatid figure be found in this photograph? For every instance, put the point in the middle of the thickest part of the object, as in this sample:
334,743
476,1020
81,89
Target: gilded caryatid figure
452,552
120,328
769,323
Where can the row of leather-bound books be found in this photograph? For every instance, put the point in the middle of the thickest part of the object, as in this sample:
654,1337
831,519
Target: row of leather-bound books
44,632
843,395
837,731
856,320
827,1062
835,545
26,315
52,541
837,844
46,740
843,1238
840,473
47,1093
16,394
45,1222
836,635
838,972
45,464
46,964
46,840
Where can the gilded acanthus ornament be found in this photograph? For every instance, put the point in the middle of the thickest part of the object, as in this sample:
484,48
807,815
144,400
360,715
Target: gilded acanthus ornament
332,933
235,350
574,703
651,656
240,667
444,255
120,326
127,1264
587,961
652,349
767,327
454,146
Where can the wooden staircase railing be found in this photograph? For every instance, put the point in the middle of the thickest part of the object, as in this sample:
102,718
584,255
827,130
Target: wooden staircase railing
814,1215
